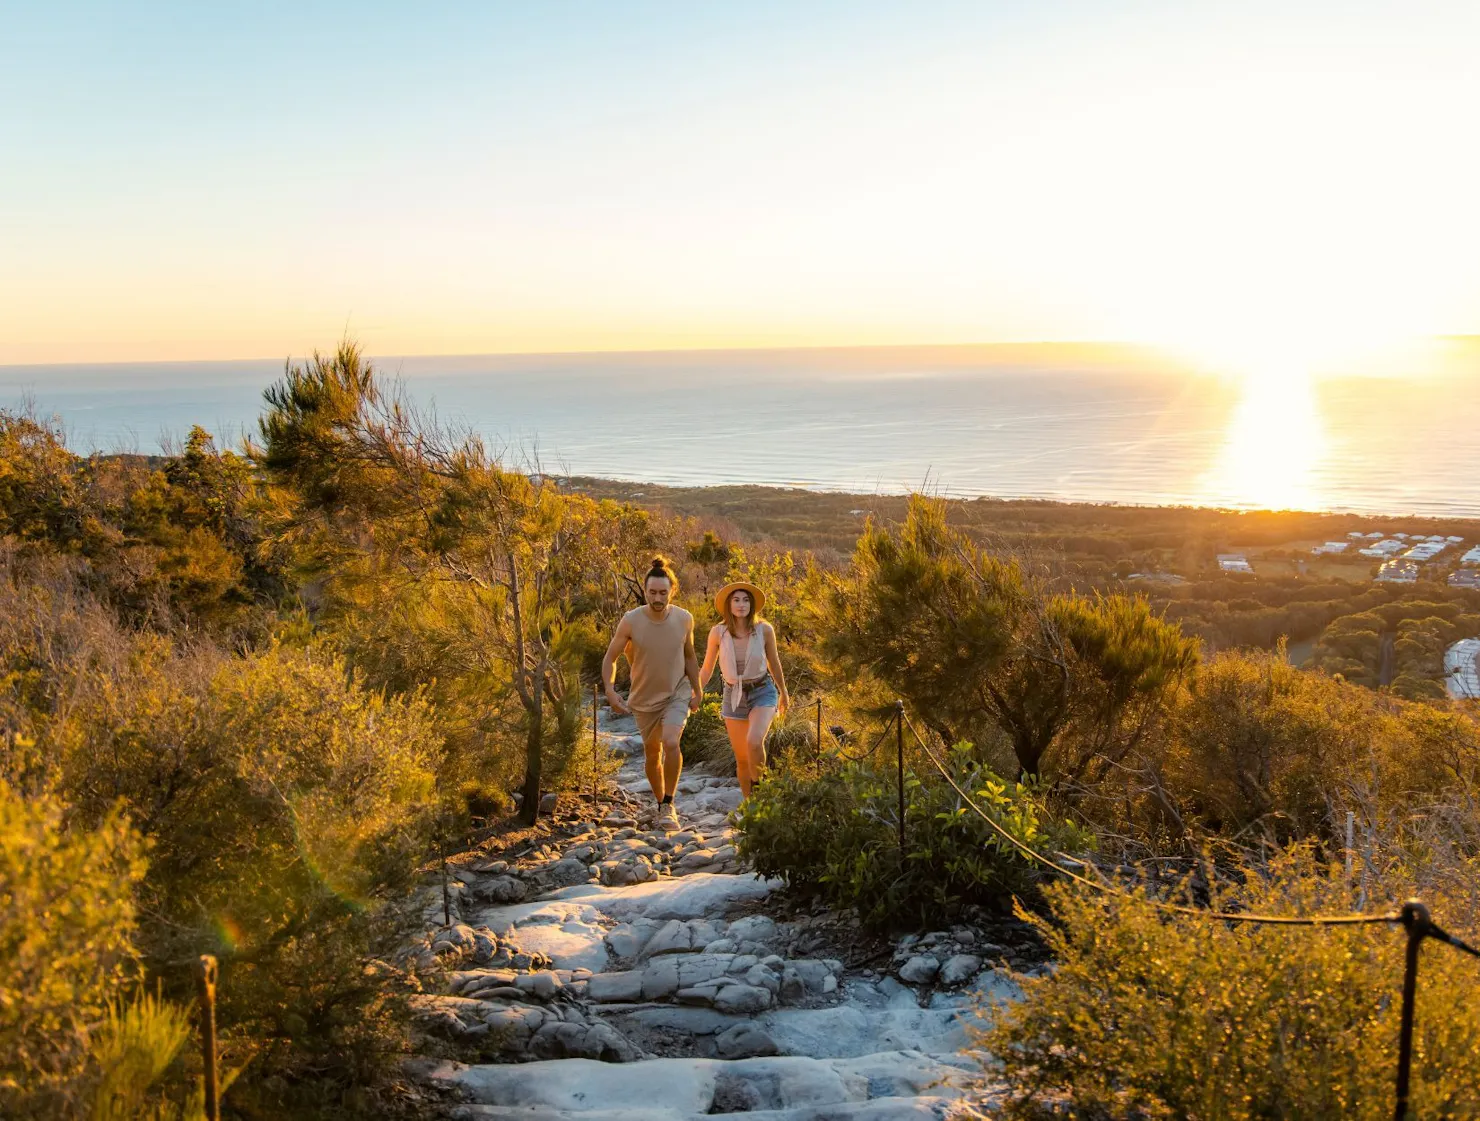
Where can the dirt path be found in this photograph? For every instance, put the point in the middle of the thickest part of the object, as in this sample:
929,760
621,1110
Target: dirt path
633,975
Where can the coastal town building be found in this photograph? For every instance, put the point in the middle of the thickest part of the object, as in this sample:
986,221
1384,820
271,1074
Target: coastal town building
1427,550
1385,548
1461,674
1465,578
1235,562
1330,547
1400,571
1471,557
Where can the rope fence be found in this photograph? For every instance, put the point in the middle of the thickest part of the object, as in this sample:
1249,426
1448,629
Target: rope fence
1414,916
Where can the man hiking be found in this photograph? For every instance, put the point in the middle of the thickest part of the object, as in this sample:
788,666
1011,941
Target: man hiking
658,640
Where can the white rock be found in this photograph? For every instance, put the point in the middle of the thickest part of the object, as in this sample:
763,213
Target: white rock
615,988
660,978
742,998
920,969
958,969
675,937
623,941
543,985
744,1041
697,896
752,928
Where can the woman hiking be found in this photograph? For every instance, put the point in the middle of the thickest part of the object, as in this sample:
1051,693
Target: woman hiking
744,646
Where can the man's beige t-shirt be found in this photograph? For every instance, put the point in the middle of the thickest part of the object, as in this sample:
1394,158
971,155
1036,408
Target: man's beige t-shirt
655,654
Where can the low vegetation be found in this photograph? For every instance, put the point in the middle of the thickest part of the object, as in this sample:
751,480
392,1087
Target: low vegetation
247,691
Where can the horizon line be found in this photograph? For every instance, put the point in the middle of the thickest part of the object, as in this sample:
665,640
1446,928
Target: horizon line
1169,349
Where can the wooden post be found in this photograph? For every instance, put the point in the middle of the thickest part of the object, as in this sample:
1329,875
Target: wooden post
446,892
817,752
595,695
1350,822
205,987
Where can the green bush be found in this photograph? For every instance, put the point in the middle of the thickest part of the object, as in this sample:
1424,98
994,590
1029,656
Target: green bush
833,832
705,739
1155,1016
67,921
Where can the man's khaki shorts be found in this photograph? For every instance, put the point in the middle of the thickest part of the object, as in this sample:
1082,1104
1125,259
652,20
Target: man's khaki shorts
675,713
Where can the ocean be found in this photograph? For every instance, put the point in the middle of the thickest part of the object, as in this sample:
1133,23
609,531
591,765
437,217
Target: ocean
1078,423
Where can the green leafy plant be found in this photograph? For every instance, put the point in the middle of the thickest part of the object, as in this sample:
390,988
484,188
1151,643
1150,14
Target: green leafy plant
833,831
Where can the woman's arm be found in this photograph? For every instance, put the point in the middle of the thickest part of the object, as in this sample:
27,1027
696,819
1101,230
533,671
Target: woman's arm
773,660
711,657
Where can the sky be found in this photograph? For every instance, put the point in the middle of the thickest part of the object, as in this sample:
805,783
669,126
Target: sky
1244,179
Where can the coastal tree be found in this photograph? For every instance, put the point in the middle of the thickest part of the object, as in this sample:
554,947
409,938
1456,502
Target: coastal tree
391,504
975,643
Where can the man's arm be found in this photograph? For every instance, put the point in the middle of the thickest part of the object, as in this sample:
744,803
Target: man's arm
614,649
691,669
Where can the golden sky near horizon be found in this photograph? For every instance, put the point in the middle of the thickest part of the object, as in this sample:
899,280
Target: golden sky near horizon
1270,186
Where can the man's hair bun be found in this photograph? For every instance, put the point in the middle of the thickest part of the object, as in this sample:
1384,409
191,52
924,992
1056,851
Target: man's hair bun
663,569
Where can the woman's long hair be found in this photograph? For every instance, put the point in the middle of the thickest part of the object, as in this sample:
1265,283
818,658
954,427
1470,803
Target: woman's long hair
728,616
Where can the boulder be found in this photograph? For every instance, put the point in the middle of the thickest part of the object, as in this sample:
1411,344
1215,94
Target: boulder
541,985
752,928
660,979
674,937
549,802
744,1041
500,889
959,969
622,987
624,941
920,969
742,999
567,871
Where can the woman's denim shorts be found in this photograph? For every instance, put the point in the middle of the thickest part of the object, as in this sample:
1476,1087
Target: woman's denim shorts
754,694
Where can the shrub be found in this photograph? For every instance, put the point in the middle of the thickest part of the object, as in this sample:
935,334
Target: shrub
834,833
66,924
705,739
1150,1015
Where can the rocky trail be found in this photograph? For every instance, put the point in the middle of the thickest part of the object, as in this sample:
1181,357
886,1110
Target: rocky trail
627,974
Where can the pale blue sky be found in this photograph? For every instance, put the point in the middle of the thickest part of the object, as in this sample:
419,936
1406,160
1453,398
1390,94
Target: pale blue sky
213,180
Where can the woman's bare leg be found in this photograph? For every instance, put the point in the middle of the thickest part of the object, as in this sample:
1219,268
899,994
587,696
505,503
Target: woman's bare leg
755,739
739,732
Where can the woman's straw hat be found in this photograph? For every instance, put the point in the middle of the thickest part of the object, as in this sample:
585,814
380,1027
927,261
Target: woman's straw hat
757,597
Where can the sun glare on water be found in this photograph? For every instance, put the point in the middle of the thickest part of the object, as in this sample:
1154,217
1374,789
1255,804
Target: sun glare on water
1274,443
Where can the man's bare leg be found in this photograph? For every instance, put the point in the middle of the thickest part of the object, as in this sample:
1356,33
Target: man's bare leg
652,762
672,759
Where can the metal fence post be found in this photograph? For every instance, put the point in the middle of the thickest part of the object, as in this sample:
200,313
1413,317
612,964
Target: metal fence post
205,987
1415,917
899,758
